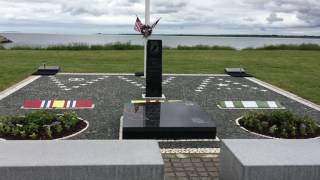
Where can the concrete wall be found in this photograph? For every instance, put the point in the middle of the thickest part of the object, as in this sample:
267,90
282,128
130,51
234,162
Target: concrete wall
266,159
80,160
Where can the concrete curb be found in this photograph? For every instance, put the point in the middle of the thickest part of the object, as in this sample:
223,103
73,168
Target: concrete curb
16,87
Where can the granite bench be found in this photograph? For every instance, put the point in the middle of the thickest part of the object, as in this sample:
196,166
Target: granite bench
268,159
80,160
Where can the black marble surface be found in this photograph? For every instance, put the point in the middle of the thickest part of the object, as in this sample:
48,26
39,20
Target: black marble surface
168,120
154,69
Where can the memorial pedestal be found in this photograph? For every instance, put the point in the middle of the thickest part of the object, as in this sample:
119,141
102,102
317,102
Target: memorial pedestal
167,120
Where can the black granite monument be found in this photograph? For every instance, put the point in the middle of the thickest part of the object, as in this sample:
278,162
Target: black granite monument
178,120
154,69
47,70
164,120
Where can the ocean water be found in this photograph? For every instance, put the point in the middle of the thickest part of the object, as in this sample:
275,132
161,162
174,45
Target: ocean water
44,40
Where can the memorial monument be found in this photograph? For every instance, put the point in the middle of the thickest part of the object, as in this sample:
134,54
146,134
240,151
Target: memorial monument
157,117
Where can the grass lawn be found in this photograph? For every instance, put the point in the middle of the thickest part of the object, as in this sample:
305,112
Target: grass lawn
293,70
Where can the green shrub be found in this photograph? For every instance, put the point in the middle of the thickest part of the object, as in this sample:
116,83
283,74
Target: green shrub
113,46
69,119
204,47
37,124
282,124
25,47
82,46
311,47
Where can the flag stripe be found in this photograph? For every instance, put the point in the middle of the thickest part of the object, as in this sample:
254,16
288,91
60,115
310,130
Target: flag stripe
51,103
138,25
74,104
229,104
272,104
42,103
249,104
68,104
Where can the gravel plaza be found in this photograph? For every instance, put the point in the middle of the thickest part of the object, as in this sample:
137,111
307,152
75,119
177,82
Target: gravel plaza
109,93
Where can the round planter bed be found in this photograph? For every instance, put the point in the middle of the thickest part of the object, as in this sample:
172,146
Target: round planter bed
268,135
60,126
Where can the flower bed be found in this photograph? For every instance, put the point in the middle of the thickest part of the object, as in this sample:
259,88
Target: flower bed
41,125
280,124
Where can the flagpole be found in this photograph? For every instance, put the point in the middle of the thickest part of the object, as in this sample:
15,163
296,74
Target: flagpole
147,22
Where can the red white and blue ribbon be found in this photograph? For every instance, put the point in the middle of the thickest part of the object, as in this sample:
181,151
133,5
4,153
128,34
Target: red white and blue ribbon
58,104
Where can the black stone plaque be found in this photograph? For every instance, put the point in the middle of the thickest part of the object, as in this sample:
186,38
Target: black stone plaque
47,70
154,69
178,120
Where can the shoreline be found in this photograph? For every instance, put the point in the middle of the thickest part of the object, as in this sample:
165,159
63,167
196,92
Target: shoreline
186,35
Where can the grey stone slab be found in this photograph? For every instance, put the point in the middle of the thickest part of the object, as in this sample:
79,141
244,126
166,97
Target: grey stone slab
265,159
80,160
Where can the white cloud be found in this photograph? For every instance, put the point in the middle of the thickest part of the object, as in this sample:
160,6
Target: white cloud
213,16
274,18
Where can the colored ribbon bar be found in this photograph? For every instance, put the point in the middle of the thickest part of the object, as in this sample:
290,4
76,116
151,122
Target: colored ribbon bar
58,104
250,105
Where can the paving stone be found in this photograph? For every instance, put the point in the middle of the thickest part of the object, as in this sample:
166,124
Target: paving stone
195,178
170,174
205,178
207,159
209,164
201,169
193,175
182,178
205,174
175,160
214,174
179,174
189,168
185,160
179,169
195,160
198,164
177,164
168,170
187,164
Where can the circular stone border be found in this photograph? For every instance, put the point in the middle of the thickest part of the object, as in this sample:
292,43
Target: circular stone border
65,137
265,136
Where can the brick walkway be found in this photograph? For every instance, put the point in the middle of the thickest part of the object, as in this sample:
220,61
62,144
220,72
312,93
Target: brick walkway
191,166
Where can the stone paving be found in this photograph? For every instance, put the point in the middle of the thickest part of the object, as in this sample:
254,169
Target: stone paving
191,166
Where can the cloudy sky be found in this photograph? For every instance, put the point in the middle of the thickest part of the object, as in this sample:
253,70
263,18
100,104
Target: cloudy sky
298,17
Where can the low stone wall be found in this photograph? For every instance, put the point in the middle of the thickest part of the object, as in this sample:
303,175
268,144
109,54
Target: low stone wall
265,159
80,160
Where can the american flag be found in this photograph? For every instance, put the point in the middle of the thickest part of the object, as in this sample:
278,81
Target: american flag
138,25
